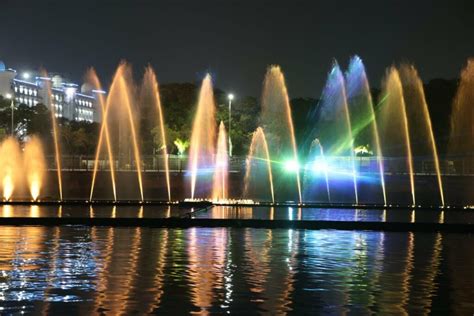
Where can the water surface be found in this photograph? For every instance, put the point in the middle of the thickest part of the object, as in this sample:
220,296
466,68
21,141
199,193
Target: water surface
76,269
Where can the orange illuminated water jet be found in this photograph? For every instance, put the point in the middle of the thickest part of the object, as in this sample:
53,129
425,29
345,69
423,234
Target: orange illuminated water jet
34,166
57,153
92,78
421,130
277,121
150,94
10,166
258,152
119,103
202,150
393,124
220,185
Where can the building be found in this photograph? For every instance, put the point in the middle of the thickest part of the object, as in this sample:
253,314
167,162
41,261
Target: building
65,98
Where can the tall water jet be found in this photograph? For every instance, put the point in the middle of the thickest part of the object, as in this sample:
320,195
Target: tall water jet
422,140
363,122
461,140
316,169
10,166
119,102
277,122
258,159
54,115
220,185
92,79
34,166
202,148
333,129
150,98
393,130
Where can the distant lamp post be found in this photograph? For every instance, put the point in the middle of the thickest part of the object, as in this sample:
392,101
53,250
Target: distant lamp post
26,75
10,97
230,97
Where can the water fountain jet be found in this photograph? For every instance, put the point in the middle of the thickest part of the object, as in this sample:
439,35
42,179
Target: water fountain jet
393,126
421,132
34,166
93,79
277,121
258,152
150,95
202,149
221,172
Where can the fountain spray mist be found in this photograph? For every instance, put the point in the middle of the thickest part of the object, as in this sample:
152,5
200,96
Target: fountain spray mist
10,166
92,79
34,166
221,170
202,150
150,94
258,152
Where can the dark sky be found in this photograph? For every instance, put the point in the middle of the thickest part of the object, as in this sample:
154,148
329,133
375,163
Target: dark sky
236,40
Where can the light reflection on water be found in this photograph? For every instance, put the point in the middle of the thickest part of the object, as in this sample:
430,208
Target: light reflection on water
220,212
246,271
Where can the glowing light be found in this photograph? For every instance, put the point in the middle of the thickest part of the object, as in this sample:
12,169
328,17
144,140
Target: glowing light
70,93
26,75
292,166
7,187
8,96
320,166
230,97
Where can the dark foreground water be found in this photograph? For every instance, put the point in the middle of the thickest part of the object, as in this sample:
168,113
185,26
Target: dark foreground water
87,270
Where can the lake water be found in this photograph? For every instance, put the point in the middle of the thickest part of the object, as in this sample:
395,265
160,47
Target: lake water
87,270
219,212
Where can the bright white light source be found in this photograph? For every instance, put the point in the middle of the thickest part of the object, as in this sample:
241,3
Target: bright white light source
230,96
292,166
8,96
26,75
70,93
320,166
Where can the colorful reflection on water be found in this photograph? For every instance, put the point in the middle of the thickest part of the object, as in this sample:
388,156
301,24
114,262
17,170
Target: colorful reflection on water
246,271
227,212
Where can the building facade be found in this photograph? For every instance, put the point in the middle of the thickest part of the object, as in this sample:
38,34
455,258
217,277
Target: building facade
65,98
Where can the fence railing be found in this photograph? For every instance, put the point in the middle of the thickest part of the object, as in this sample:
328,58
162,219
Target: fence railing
176,163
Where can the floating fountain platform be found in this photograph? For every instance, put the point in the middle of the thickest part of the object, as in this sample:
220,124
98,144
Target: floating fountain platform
206,203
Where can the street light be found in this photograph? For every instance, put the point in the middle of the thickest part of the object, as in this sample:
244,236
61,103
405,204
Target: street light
230,96
10,97
26,75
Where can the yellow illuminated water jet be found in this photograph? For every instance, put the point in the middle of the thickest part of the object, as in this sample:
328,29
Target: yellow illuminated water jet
150,94
258,151
93,79
34,166
277,120
421,131
393,125
10,166
220,183
57,153
202,150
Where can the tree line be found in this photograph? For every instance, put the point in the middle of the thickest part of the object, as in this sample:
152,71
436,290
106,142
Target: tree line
179,102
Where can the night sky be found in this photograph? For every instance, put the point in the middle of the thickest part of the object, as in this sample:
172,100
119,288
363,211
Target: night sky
236,40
